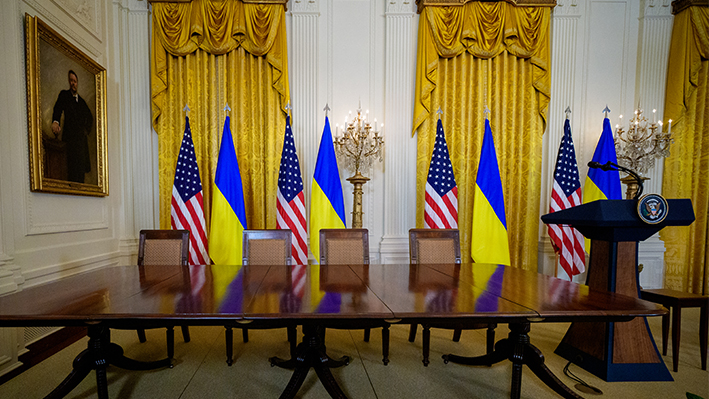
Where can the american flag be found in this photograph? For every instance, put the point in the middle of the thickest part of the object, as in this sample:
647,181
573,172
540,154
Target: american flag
186,207
441,211
291,200
567,241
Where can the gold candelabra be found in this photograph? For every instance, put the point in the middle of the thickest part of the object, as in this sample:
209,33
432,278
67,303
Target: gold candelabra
359,144
639,146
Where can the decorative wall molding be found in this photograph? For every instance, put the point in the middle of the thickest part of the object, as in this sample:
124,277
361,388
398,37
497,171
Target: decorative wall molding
62,27
404,7
651,254
305,6
84,12
47,273
655,8
304,89
399,176
567,8
655,33
136,102
564,75
36,228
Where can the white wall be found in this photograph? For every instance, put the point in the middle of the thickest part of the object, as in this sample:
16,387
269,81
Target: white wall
341,52
48,236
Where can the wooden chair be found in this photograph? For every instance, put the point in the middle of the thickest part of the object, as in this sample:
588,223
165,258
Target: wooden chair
351,247
440,246
675,301
262,247
164,248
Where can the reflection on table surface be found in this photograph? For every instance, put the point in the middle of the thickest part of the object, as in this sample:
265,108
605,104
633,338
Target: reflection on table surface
377,291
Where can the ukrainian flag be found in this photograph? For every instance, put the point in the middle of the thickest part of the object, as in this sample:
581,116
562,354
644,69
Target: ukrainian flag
228,211
489,242
327,206
602,184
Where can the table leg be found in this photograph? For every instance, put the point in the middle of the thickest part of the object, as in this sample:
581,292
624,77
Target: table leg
311,353
703,332
665,332
82,367
676,323
100,353
520,351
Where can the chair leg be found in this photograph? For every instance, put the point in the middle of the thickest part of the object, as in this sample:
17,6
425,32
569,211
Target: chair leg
412,332
490,338
665,332
385,344
229,334
245,334
170,343
426,343
186,333
141,335
456,334
292,339
367,331
676,324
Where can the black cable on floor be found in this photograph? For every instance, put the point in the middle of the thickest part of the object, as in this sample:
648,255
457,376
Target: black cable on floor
571,375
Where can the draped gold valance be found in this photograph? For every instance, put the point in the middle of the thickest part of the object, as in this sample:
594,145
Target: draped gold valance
218,28
484,30
208,53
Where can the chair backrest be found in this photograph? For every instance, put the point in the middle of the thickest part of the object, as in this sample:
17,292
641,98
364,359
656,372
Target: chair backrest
344,247
163,247
266,247
428,246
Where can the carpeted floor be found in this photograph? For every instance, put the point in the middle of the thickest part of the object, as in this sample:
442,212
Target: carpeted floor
201,371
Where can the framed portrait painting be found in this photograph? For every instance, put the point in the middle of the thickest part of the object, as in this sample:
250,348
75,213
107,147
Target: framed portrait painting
66,107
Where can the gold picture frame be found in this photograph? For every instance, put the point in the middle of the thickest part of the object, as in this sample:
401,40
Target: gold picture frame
66,113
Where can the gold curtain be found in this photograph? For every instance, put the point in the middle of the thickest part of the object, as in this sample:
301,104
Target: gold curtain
492,54
685,172
207,54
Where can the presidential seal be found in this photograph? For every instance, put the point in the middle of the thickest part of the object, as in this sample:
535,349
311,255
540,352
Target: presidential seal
652,208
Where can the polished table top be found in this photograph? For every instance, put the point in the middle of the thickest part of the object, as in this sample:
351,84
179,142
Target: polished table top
211,294
314,297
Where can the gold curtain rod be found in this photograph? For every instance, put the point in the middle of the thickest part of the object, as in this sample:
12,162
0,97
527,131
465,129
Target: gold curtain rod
518,3
245,1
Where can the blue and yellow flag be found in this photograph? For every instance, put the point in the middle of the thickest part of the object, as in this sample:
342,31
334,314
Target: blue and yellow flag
327,206
489,242
228,211
602,184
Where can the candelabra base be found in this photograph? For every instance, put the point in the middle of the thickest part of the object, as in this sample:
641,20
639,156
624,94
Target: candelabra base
357,181
632,186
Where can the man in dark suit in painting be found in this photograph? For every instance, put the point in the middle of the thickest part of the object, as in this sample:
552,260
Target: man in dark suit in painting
77,125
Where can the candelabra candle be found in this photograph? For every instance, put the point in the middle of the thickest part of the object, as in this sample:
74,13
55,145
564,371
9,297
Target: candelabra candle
359,144
644,142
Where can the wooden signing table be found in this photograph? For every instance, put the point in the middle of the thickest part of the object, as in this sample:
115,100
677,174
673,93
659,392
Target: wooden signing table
332,296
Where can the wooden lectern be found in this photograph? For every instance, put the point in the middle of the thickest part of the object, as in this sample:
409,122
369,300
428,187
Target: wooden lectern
616,351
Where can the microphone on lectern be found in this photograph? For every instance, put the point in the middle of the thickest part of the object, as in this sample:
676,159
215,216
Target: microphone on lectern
612,166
